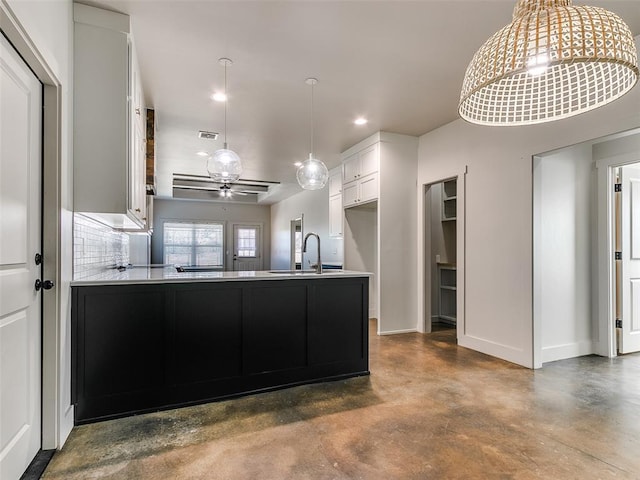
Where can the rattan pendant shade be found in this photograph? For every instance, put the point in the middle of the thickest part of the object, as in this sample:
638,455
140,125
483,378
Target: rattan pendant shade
555,60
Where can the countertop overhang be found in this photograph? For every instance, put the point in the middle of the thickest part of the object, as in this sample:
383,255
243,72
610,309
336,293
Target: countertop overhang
141,275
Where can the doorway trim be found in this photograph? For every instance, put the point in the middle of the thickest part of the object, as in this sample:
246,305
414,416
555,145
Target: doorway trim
606,344
293,223
424,263
52,434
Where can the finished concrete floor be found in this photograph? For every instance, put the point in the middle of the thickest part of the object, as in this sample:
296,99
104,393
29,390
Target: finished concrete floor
429,410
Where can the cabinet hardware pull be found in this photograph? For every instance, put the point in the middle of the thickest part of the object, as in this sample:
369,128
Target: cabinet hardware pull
138,210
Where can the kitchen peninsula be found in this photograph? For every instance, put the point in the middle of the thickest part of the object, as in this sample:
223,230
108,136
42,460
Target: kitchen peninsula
147,339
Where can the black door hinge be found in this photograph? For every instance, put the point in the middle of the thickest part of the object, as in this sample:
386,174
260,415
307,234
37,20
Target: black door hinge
618,323
617,187
618,256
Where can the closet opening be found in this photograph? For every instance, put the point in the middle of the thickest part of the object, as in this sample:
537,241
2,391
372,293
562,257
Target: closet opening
441,272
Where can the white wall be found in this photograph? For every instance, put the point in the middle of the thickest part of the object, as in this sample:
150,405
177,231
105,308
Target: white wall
42,31
617,146
166,209
564,247
397,234
498,215
314,204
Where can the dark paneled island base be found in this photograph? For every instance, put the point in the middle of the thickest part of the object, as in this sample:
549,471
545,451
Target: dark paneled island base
146,347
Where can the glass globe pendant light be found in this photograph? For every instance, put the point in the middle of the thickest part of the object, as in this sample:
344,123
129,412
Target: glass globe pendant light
224,165
312,174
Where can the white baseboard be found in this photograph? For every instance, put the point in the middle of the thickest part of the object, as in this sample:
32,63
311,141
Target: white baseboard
505,352
66,425
395,332
568,350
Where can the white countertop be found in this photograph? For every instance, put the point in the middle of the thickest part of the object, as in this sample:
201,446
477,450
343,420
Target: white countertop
141,275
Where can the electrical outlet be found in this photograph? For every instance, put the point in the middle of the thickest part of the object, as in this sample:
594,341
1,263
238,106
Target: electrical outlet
437,258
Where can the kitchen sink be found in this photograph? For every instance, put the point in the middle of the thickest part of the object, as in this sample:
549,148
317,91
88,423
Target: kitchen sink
302,272
182,269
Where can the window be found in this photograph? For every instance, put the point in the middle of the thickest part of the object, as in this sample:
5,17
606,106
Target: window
247,242
194,244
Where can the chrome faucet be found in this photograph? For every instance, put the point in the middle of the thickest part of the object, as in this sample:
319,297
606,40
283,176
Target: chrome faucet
318,266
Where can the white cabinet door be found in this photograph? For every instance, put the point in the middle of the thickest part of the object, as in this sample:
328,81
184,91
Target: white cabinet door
368,160
137,98
335,183
351,168
20,240
335,215
137,156
368,188
137,193
350,194
101,129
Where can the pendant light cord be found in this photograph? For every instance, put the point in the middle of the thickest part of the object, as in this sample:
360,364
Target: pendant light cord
311,82
225,103
311,120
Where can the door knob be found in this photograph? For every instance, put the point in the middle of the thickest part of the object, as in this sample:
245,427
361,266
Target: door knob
45,285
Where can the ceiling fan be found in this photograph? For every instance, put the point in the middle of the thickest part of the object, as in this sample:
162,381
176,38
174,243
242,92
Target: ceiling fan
226,191
203,187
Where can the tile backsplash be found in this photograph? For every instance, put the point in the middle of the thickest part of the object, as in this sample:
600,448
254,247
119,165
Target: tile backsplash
96,247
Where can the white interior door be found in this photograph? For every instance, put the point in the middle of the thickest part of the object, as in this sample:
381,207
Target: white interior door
20,240
629,339
247,247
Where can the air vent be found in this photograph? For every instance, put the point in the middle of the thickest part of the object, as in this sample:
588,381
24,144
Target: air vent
207,135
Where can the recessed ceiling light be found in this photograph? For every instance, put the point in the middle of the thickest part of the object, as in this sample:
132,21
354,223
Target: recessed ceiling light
219,97
202,154
360,121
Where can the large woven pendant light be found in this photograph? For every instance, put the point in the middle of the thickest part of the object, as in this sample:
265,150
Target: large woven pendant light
553,61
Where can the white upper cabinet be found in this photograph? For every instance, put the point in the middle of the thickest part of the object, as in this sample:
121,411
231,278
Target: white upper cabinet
335,182
109,120
360,164
360,176
350,168
369,160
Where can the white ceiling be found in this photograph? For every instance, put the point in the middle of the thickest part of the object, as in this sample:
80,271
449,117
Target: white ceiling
398,63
